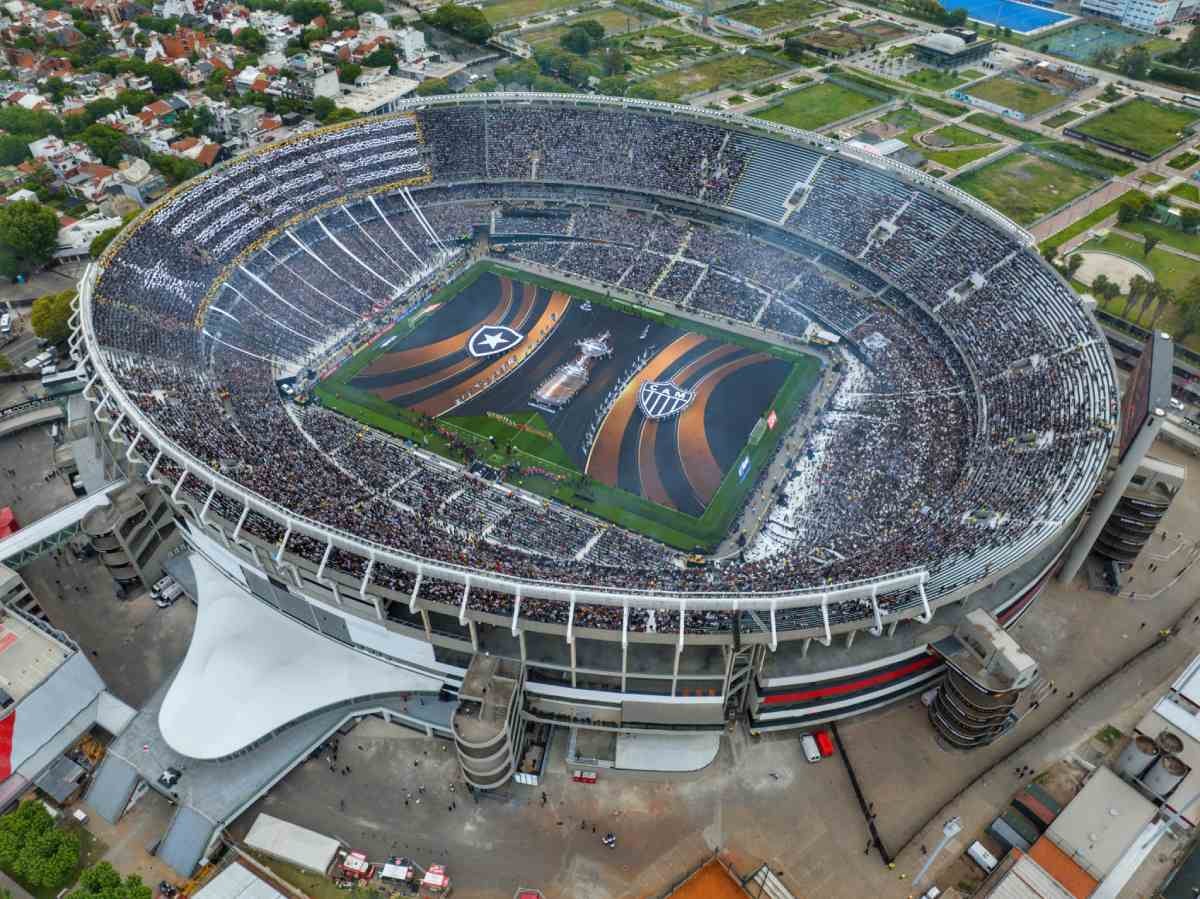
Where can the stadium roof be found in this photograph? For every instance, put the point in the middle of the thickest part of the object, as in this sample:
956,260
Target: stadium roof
235,688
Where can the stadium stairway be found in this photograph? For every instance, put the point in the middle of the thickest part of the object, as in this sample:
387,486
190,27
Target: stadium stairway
772,171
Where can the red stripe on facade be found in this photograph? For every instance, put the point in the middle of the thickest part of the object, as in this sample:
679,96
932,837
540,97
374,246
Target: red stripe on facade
865,683
7,726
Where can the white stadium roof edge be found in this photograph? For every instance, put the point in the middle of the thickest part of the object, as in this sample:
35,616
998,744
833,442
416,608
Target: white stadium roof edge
234,688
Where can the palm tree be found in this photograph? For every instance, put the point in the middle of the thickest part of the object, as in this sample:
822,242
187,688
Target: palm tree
1100,285
1147,298
1073,263
1137,285
1166,298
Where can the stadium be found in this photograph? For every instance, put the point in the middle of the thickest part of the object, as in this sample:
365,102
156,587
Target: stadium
668,406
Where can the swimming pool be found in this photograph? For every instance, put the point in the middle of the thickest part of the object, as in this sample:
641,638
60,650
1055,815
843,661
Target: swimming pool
1020,17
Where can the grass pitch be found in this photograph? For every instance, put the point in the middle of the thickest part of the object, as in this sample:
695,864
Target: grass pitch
521,9
1141,126
1026,187
712,74
500,444
774,15
817,106
1018,95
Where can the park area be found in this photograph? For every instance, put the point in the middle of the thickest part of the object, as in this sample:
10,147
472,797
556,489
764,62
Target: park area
505,10
937,80
815,107
1143,127
1026,187
661,49
953,146
714,73
614,21
769,16
1011,93
837,41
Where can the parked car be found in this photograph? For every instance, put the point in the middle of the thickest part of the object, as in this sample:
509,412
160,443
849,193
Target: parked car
161,584
809,746
167,598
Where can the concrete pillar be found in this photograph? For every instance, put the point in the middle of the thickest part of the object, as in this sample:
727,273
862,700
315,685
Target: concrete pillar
1112,494
474,634
807,642
850,638
428,628
891,628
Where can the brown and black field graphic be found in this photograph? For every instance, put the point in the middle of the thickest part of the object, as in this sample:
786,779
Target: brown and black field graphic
678,462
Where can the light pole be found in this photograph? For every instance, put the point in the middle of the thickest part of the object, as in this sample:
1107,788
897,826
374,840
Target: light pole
950,830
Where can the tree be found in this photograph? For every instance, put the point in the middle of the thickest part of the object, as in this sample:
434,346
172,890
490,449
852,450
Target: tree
1150,243
251,39
643,91
1137,288
577,40
358,7
14,149
5,365
50,315
1126,213
1100,285
1189,319
348,71
613,62
101,241
1073,263
323,108
432,86
1165,298
33,850
176,169
1147,298
465,21
102,881
1049,253
105,141
613,85
304,11
381,56
1135,63
28,236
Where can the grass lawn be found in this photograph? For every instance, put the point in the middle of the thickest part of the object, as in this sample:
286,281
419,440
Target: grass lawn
678,48
1186,192
1018,95
1141,125
1089,156
937,104
956,136
1151,178
520,9
314,885
935,79
773,15
817,106
710,75
998,125
615,21
1184,160
1025,187
1173,271
1189,243
1062,118
956,159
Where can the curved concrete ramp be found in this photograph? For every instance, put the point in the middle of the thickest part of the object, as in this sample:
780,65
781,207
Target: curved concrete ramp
667,752
43,416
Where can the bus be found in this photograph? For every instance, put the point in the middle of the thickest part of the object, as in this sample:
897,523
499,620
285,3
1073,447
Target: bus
1190,100
64,382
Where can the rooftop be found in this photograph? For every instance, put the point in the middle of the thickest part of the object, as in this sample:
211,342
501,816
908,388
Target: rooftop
1101,823
28,655
369,98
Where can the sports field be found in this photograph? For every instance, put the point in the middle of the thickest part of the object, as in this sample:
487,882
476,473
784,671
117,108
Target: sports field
531,375
936,80
712,74
1010,93
1140,125
614,21
773,15
521,9
817,106
1025,187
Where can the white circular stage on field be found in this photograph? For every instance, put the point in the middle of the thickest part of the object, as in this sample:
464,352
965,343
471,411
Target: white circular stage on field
1119,269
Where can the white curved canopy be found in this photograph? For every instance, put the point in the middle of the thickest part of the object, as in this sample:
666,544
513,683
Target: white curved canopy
249,671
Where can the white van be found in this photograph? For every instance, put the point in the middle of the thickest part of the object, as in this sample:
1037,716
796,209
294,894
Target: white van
161,584
5,323
982,857
168,596
809,746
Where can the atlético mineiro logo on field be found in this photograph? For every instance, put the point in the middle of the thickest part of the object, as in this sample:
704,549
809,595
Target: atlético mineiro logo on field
492,339
662,399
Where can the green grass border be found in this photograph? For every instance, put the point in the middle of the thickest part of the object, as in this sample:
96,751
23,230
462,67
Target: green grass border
669,526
